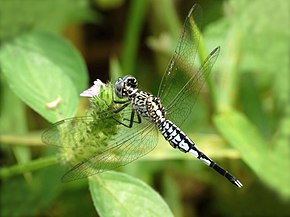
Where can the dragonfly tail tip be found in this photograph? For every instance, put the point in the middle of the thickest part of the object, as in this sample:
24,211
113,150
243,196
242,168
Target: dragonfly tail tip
238,183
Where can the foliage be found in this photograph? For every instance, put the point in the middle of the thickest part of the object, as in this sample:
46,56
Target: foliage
125,194
247,117
249,132
39,16
49,55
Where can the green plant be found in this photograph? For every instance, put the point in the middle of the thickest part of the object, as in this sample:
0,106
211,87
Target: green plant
249,107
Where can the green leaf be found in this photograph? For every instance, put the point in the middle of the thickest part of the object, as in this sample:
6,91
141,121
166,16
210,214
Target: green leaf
243,136
254,31
116,194
48,73
269,163
279,155
37,15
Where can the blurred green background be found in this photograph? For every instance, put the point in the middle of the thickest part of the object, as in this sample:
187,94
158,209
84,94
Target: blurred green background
55,49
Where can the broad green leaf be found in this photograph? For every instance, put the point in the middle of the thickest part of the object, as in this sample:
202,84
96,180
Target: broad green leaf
243,136
44,71
259,30
252,103
256,31
269,163
116,194
37,15
279,155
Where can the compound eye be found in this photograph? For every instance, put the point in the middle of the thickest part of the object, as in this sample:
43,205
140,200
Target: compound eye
118,91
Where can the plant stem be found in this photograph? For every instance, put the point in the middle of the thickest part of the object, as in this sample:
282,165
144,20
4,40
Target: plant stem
27,167
227,88
21,140
135,19
203,53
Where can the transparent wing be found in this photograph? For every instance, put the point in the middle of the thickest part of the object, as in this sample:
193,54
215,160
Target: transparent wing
56,134
181,105
77,132
181,66
101,144
124,148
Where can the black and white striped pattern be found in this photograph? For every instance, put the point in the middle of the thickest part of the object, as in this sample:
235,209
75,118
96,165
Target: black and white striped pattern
150,108
145,106
178,139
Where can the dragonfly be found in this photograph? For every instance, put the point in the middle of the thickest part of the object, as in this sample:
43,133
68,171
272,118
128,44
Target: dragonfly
139,116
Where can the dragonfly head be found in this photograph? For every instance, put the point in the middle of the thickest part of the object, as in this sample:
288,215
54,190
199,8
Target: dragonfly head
123,85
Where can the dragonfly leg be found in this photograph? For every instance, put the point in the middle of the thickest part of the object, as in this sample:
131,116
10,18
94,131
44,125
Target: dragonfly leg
112,111
138,121
121,108
118,109
131,120
120,102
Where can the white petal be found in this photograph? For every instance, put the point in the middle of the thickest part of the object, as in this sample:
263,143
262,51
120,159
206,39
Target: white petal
93,90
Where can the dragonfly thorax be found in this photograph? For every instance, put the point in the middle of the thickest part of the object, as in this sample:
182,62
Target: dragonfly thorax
155,109
147,105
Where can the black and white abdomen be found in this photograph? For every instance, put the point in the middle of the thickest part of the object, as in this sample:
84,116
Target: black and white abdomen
175,136
178,139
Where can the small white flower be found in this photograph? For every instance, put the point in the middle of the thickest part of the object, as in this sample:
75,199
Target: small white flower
93,90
